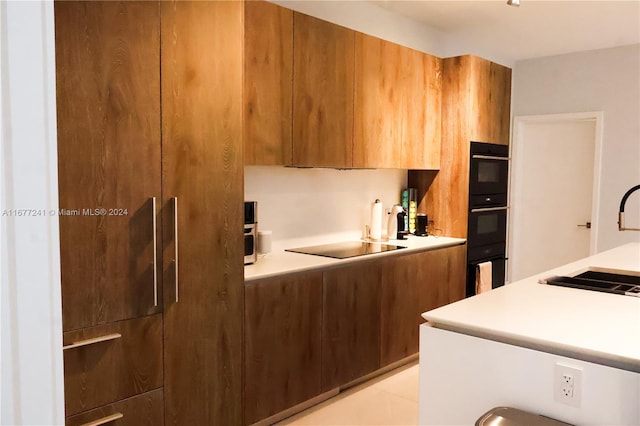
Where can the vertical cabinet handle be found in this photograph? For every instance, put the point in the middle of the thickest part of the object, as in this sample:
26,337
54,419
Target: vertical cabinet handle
104,420
155,252
175,240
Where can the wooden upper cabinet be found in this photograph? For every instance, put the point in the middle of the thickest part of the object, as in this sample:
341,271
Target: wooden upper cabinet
108,112
491,102
268,85
323,73
397,106
477,92
320,95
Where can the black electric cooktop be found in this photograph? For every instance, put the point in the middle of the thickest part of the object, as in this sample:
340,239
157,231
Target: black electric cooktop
346,249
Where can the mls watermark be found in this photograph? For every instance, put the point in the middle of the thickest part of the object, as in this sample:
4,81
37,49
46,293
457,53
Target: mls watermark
100,211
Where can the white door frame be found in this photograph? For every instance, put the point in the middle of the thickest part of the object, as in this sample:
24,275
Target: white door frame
517,163
32,379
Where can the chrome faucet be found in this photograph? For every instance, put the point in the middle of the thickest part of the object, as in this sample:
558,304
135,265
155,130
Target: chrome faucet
621,212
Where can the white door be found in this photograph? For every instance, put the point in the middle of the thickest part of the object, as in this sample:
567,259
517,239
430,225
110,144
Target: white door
552,193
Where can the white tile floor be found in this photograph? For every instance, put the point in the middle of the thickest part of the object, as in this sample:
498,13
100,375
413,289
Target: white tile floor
391,399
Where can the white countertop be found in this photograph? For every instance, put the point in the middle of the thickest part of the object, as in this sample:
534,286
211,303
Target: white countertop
589,325
282,262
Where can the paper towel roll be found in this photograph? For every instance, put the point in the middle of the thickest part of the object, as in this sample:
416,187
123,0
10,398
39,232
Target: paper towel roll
376,220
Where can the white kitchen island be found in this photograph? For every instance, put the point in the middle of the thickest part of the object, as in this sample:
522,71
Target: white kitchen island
507,347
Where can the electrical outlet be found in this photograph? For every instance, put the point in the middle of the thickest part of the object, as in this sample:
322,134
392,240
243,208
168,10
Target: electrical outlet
567,385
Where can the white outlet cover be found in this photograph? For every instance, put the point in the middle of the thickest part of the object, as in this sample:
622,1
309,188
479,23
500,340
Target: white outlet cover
559,383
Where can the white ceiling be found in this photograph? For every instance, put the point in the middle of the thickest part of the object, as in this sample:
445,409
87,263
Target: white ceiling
493,29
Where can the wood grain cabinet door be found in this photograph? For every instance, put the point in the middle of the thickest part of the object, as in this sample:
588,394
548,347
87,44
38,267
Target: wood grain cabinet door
268,83
490,101
412,285
108,112
283,346
400,303
441,277
202,63
142,410
323,67
456,273
350,323
476,98
110,362
397,106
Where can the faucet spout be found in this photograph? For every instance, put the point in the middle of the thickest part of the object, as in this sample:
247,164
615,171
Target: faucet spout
621,226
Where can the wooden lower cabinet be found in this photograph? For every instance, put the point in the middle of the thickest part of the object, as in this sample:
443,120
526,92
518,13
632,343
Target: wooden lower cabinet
142,410
350,323
412,285
400,306
455,263
309,333
443,279
128,363
283,346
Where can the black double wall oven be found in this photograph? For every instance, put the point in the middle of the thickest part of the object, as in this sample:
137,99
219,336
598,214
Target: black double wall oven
487,225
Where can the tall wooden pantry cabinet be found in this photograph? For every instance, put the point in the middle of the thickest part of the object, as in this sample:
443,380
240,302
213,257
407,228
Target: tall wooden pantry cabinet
150,180
476,100
202,167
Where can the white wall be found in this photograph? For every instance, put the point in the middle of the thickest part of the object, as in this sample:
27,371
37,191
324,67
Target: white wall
369,18
600,80
31,386
314,206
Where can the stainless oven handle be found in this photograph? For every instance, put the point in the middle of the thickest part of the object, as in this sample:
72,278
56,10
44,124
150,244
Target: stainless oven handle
490,157
488,209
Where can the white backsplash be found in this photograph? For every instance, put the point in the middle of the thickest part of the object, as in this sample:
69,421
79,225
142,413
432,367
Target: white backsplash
316,205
